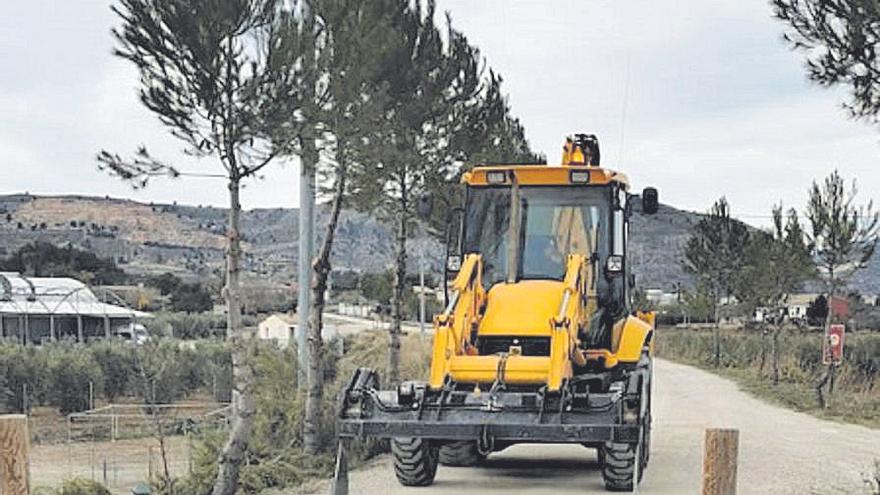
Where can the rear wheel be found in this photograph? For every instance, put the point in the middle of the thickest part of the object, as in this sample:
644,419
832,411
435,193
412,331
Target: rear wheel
460,454
415,461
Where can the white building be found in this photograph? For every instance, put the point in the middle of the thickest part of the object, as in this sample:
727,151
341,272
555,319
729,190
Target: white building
795,308
662,298
34,310
283,330
797,304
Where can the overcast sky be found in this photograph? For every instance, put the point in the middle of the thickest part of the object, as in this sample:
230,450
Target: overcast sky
698,98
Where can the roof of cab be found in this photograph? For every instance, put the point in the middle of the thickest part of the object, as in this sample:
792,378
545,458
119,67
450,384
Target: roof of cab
545,175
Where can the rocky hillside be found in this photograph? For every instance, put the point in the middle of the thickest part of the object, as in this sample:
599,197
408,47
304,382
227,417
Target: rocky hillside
188,240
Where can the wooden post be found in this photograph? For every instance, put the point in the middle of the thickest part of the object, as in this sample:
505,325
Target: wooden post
14,466
339,485
719,462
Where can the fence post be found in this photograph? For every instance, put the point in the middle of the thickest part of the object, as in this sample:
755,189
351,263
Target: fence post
150,462
14,444
719,461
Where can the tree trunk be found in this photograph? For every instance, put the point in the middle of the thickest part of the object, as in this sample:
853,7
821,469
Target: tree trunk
775,355
397,295
828,375
321,271
763,358
235,448
716,338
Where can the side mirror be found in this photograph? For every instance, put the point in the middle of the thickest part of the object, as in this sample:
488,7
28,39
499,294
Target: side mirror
425,206
650,201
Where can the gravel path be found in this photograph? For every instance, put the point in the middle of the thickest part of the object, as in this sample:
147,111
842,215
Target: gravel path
781,451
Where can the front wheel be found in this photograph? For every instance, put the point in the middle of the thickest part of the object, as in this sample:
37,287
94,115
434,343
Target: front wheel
415,461
618,460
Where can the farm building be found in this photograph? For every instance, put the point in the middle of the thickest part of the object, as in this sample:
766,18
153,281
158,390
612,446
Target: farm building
283,330
34,310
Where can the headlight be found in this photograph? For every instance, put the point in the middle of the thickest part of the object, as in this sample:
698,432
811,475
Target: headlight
497,177
614,264
579,177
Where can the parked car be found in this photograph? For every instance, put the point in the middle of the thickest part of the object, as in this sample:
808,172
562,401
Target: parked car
134,333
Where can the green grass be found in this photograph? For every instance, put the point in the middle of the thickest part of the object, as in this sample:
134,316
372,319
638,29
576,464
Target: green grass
856,397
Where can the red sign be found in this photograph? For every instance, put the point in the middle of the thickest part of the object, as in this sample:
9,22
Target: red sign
832,350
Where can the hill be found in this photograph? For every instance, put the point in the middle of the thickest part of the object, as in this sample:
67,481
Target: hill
188,240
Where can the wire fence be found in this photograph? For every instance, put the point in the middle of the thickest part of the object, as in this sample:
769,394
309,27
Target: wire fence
120,445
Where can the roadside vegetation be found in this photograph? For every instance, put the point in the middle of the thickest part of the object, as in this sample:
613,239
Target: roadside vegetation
745,357
67,376
59,376
275,459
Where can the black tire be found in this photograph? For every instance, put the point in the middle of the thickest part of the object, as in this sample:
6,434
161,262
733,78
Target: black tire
646,427
415,461
460,454
618,460
618,466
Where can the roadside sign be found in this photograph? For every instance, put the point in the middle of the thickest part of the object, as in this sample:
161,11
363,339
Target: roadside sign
832,350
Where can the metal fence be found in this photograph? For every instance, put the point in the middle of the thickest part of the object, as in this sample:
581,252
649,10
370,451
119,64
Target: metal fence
120,445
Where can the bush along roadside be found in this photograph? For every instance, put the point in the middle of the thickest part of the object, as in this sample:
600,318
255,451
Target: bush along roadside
747,357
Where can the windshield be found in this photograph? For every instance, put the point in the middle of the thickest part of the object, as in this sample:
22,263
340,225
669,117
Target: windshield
555,222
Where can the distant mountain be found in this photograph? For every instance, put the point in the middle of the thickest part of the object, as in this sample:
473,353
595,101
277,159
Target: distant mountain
188,240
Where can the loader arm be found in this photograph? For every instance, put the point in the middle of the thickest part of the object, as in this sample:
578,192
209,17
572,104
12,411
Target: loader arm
573,313
454,327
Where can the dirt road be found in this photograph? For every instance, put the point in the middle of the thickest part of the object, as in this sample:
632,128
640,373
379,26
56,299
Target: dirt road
781,451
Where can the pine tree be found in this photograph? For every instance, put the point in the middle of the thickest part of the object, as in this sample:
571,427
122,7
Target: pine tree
715,254
843,237
840,40
778,264
430,81
225,78
354,49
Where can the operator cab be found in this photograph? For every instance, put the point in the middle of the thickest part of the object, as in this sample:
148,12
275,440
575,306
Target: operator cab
525,220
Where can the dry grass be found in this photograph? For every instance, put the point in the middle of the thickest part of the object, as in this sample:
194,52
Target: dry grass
856,395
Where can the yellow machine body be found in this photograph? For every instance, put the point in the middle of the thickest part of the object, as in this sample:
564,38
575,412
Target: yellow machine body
553,309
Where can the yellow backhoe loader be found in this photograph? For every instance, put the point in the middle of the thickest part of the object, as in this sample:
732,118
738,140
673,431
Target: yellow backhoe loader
538,342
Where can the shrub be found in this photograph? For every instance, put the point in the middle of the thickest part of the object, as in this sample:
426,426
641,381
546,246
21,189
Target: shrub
82,486
275,449
215,368
184,325
118,366
27,382
71,373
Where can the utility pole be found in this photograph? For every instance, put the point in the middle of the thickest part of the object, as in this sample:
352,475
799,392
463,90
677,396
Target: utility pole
304,277
422,289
